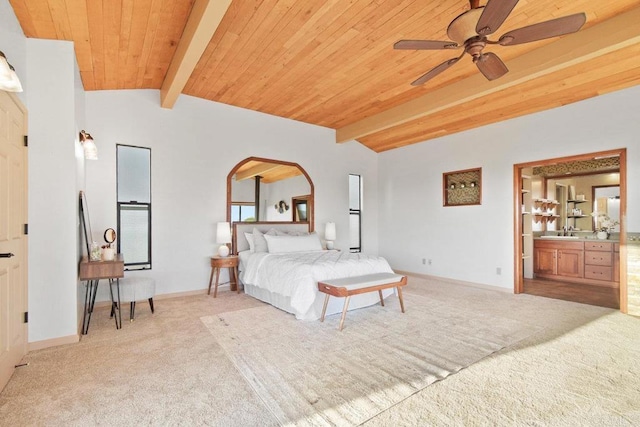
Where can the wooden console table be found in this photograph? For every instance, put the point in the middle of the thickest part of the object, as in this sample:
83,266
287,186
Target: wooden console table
92,272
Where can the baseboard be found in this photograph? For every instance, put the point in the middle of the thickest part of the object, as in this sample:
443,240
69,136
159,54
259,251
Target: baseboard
455,282
53,342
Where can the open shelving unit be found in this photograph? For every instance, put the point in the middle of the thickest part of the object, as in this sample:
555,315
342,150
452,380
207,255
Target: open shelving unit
544,210
527,225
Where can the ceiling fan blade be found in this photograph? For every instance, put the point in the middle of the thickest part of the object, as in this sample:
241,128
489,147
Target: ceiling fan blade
425,45
494,14
434,72
491,66
544,30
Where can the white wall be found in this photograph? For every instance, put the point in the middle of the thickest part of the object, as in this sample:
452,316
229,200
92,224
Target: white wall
193,148
469,242
52,189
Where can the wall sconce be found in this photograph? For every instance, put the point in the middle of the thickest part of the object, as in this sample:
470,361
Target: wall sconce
330,234
9,80
223,236
89,147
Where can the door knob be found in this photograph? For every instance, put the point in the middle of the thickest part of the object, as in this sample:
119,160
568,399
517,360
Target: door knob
6,255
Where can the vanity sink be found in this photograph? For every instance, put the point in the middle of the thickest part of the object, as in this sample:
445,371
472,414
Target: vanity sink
560,237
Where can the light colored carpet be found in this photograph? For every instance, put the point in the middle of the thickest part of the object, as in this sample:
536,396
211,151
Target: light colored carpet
309,373
578,367
162,369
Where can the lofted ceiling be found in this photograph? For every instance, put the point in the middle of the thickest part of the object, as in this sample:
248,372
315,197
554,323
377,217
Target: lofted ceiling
332,63
269,171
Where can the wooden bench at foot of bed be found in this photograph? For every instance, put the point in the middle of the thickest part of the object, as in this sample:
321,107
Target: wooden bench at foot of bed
348,286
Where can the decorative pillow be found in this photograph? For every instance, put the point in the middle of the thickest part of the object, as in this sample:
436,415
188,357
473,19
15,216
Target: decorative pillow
290,233
282,244
249,237
259,242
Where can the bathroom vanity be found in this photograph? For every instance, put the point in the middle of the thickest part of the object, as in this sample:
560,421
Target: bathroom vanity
577,260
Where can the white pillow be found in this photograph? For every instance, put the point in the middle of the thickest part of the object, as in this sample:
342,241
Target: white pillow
282,244
249,237
291,233
259,242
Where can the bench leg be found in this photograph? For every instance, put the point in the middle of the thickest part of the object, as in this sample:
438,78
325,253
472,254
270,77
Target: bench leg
381,299
324,307
151,305
344,311
132,311
400,298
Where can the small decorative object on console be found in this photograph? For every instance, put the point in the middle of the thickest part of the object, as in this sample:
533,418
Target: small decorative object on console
108,253
95,252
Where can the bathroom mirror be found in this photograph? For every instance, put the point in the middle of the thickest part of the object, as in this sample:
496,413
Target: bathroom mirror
606,200
256,188
578,197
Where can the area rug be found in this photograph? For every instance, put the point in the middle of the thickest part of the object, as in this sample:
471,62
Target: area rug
310,373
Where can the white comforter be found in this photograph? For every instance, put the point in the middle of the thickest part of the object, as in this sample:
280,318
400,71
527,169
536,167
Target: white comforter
296,275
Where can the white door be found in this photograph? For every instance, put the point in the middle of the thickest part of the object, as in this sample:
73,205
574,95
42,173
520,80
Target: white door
13,241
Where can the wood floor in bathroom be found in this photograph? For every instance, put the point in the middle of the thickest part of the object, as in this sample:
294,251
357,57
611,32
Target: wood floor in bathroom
576,292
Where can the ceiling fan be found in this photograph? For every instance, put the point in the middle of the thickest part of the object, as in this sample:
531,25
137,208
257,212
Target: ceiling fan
470,30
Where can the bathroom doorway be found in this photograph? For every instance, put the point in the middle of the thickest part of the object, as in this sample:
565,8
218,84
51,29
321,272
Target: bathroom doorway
556,219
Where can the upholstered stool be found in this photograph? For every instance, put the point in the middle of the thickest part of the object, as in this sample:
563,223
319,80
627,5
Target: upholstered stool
134,289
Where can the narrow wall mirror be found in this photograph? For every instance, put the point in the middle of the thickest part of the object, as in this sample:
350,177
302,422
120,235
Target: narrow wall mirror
257,186
86,223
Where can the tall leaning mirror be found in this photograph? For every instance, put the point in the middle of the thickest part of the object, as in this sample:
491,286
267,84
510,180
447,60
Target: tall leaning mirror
269,190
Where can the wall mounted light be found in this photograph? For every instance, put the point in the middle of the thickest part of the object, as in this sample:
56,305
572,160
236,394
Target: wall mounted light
330,234
89,147
223,236
9,80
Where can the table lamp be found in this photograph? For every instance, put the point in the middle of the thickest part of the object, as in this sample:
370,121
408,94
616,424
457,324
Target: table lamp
223,236
330,234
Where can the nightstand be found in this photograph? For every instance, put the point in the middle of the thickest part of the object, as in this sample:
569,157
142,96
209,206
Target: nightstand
230,262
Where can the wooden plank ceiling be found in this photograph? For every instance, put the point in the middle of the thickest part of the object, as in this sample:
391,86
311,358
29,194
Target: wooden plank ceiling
269,172
331,63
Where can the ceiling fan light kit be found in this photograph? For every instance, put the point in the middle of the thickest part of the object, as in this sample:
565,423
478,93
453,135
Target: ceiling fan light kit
470,29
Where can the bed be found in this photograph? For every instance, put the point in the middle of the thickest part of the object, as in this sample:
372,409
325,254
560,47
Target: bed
286,263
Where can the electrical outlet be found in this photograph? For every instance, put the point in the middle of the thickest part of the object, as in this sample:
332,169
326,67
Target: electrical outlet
498,271
429,262
424,261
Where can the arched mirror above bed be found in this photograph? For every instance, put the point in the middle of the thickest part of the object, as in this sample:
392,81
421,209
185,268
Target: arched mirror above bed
267,190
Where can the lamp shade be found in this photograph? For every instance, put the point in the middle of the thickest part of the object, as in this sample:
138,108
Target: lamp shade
5,70
9,80
223,233
89,147
330,231
90,150
223,236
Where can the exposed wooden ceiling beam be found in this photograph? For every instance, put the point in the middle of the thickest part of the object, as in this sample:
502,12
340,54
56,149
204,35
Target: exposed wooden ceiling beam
257,170
202,24
608,36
